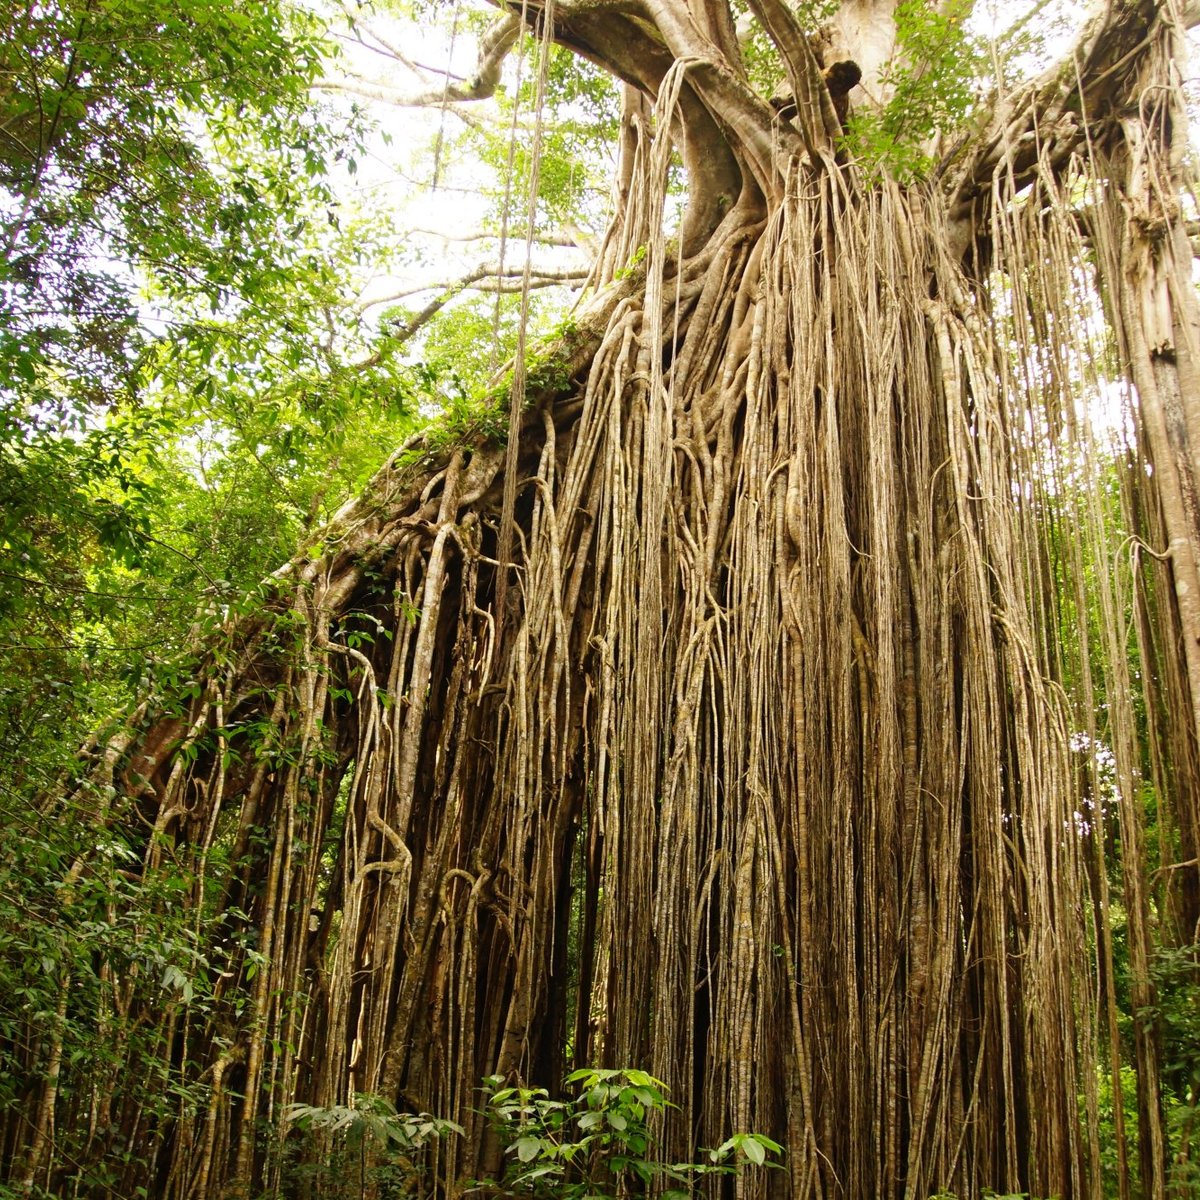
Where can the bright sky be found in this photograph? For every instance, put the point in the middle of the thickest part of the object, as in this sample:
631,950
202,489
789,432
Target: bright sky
398,171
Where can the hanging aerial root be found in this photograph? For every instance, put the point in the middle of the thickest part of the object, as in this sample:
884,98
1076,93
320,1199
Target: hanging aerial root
788,777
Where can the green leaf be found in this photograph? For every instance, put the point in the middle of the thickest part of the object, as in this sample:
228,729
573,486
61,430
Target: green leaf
539,1173
642,1169
527,1148
754,1151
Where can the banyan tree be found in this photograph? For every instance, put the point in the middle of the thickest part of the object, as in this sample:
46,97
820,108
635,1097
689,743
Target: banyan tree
788,684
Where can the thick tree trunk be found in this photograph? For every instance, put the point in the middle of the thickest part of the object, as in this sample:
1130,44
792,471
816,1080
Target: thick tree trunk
784,711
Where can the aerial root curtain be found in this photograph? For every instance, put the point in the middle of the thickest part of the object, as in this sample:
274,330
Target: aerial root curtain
781,776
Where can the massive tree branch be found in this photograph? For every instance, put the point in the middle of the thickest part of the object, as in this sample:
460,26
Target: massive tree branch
1046,118
633,49
819,124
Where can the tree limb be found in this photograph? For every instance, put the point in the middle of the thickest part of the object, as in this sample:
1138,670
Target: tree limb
493,50
568,238
486,278
818,122
1052,108
481,279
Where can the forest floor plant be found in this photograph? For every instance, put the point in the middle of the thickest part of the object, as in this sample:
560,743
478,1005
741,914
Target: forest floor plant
363,1149
599,1144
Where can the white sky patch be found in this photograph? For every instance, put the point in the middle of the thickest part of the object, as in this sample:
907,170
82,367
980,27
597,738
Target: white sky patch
411,169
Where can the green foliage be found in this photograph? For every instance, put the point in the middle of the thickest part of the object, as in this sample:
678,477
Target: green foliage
1108,1098
812,14
1029,44
573,175
933,83
1177,1014
464,417
185,387
599,1145
458,344
190,178
1176,975
573,171
186,383
86,946
635,260
364,1148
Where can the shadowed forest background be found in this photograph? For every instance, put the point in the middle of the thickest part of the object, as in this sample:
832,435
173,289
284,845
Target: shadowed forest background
599,598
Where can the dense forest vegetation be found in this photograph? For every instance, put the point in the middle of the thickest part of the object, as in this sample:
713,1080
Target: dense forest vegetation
598,598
